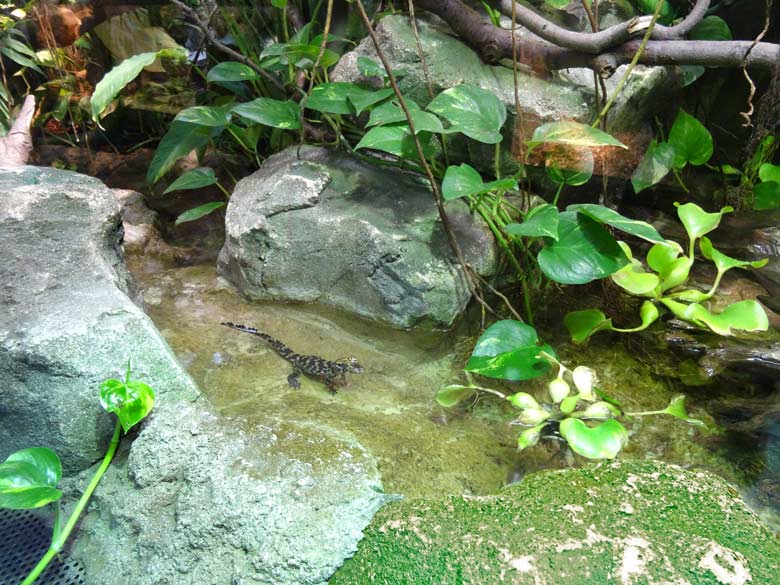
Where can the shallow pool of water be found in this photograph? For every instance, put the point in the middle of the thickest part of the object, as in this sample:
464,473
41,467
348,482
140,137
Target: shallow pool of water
422,449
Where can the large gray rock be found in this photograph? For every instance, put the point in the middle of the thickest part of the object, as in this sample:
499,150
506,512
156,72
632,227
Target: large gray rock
626,522
564,95
67,323
199,501
326,227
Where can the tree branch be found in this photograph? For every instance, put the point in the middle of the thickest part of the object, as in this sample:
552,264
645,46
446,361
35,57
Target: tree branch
495,43
598,42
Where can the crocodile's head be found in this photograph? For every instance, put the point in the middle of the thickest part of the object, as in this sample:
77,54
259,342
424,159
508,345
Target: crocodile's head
350,364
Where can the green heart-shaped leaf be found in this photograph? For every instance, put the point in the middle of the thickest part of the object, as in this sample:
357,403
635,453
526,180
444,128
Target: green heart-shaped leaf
572,133
510,350
529,437
464,180
766,195
634,227
723,262
603,441
542,220
29,478
654,166
471,110
194,179
633,279
230,71
746,315
213,116
711,28
583,324
584,251
575,172
131,401
523,401
268,112
454,394
390,112
199,211
396,140
676,408
698,222
691,141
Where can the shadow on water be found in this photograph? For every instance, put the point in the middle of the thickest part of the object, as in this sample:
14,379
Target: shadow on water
421,448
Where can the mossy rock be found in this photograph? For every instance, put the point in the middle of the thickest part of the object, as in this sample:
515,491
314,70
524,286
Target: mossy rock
613,522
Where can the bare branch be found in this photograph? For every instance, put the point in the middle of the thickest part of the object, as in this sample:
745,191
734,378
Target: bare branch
542,55
598,42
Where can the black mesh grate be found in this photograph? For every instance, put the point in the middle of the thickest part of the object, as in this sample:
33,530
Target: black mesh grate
25,539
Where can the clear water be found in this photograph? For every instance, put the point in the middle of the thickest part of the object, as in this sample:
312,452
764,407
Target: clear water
422,449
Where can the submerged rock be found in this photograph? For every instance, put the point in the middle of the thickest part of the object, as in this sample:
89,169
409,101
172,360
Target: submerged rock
67,322
199,500
326,227
621,521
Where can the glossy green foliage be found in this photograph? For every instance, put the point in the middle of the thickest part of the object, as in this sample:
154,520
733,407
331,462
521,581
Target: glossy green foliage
671,269
344,98
577,411
231,71
464,180
654,166
454,394
390,112
396,140
199,211
269,112
603,441
29,478
583,252
130,400
711,28
689,143
541,221
115,80
509,350
181,139
572,133
194,179
471,110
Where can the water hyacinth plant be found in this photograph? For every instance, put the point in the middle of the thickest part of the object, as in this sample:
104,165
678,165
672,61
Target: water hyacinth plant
575,411
664,284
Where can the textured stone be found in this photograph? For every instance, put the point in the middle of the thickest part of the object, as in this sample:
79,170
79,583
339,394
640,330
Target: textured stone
67,322
202,501
326,227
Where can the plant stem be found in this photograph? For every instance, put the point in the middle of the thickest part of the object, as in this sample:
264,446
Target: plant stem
678,177
557,194
59,541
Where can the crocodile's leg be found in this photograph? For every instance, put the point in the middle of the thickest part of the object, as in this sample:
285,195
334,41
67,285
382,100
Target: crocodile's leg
293,380
332,383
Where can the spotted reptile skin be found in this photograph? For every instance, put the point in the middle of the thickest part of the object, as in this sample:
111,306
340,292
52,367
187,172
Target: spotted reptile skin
331,373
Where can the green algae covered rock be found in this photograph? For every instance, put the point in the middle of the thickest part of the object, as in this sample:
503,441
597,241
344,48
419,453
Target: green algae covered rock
615,522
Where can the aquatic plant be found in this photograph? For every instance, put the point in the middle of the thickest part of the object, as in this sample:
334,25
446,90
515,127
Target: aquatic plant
664,285
29,477
575,410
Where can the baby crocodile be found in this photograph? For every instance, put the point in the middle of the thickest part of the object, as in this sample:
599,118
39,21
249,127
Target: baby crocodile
333,374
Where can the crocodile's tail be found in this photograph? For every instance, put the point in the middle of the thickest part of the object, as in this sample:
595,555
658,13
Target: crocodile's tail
277,345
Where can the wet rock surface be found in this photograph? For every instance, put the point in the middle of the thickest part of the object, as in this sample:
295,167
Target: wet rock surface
67,322
623,521
208,499
320,226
